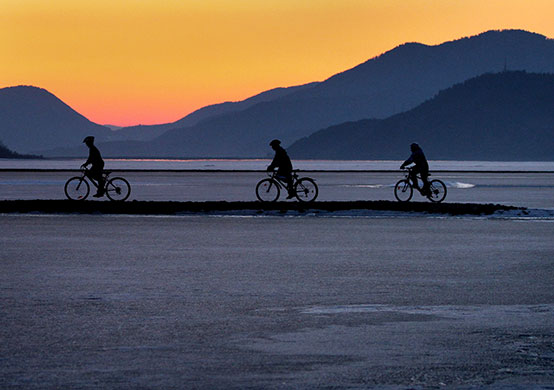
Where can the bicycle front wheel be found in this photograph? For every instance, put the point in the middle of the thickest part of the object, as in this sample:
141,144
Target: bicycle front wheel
118,189
76,188
306,190
437,191
403,190
267,190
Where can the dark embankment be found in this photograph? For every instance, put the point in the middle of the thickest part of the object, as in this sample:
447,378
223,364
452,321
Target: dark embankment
172,208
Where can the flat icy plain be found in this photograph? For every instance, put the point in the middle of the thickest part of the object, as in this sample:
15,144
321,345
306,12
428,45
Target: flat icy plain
275,302
524,189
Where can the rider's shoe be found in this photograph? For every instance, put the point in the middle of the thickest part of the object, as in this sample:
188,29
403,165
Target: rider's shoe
99,194
291,195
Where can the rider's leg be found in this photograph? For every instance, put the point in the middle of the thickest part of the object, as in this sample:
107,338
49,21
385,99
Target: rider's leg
413,179
287,177
290,188
101,185
97,174
425,179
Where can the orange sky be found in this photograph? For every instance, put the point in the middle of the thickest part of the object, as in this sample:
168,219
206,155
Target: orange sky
127,62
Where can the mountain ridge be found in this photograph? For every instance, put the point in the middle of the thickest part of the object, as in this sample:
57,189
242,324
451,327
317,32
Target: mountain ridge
502,116
382,89
7,153
393,82
148,132
44,119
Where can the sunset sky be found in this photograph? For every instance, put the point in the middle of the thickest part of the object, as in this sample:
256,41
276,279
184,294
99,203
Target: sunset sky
127,62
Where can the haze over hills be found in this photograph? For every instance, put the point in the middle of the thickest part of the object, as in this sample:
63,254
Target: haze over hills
149,132
32,118
393,82
7,153
503,116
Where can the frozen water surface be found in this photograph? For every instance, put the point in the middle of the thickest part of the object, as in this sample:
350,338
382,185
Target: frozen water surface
261,164
535,190
376,300
526,184
214,302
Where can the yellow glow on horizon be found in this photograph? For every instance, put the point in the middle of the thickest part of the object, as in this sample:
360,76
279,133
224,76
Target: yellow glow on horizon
148,61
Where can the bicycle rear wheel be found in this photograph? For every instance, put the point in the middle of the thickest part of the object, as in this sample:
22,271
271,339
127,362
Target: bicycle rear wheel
403,191
437,191
118,189
76,188
267,190
306,190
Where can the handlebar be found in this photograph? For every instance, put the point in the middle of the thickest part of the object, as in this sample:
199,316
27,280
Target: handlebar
273,172
84,170
293,171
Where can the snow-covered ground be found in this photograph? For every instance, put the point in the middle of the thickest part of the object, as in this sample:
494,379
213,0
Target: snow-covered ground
236,302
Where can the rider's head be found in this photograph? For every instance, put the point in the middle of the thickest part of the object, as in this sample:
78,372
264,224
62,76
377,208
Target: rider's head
414,147
89,140
275,144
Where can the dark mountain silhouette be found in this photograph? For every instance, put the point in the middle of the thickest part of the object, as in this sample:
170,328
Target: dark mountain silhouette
33,119
149,132
393,82
503,116
7,153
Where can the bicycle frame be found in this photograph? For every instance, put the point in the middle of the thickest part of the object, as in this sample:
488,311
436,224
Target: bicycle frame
435,190
85,175
115,188
303,188
280,182
408,177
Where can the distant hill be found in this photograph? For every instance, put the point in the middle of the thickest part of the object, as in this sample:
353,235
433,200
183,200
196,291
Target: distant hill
149,132
503,116
393,82
7,153
33,119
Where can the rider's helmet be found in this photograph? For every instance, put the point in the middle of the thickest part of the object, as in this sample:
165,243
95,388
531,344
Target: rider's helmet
88,139
414,146
275,142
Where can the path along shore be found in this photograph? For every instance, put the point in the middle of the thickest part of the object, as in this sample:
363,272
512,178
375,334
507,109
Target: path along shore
176,208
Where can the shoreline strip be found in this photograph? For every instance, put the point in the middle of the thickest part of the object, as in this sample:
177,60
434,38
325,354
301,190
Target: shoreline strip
130,170
175,208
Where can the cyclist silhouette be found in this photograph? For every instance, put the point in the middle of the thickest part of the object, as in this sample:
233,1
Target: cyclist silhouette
97,169
282,161
421,166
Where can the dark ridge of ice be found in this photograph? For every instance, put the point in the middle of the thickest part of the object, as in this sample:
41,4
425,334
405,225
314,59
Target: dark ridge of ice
173,208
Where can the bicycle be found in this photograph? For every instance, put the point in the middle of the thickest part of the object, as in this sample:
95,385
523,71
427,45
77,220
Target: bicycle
78,187
269,189
404,190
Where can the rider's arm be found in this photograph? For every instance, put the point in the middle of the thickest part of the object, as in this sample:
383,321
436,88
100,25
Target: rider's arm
408,161
86,162
273,164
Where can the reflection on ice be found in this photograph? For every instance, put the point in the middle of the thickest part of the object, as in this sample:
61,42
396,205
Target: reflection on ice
457,184
367,185
443,311
449,184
